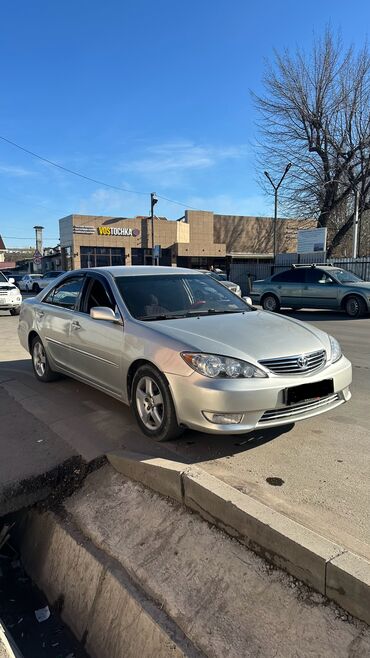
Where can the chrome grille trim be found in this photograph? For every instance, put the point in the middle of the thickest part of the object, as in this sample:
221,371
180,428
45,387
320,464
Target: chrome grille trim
297,409
288,365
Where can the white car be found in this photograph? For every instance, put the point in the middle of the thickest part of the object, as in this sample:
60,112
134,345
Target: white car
45,279
221,277
10,296
29,282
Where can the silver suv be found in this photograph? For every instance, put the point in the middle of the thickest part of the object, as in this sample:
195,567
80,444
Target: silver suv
313,286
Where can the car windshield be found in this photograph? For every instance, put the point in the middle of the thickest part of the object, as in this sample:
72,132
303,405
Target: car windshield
3,278
344,276
171,296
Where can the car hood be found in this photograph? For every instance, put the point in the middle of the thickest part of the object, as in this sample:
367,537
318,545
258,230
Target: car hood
256,334
7,286
358,284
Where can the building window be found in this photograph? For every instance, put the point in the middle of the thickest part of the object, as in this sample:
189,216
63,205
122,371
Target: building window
102,256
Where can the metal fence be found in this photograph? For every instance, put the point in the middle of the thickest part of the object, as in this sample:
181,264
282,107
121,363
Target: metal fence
244,273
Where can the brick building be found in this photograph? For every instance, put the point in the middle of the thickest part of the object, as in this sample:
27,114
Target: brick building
198,240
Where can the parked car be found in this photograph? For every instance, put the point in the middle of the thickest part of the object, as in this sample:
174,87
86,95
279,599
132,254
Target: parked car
222,278
10,297
29,282
313,286
45,279
182,350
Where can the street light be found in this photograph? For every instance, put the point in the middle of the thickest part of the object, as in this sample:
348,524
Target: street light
153,201
276,188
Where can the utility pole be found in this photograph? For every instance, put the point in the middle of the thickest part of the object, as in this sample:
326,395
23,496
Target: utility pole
276,189
355,228
153,201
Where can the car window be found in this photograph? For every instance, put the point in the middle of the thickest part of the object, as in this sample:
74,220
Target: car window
66,294
290,276
98,294
346,277
165,296
320,277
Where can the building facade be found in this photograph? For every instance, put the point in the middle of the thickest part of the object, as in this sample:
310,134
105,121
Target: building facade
200,239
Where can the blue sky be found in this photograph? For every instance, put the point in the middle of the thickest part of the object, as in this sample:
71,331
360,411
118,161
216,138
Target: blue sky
148,95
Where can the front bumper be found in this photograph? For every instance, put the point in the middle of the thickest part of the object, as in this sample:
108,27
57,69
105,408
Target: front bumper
261,401
7,304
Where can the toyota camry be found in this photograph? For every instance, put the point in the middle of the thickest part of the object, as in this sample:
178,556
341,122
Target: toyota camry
182,351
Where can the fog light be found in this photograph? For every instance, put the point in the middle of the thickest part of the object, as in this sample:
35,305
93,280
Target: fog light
222,419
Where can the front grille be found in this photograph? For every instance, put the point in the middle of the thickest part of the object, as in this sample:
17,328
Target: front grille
297,409
298,364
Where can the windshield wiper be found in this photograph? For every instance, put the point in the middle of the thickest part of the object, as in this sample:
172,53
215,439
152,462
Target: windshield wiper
162,316
214,311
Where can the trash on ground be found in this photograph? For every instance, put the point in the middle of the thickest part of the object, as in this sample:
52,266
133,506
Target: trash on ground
42,614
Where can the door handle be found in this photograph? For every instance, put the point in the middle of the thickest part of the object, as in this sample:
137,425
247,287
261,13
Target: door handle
75,325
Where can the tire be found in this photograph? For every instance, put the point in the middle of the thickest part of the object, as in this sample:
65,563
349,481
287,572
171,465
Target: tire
271,303
40,362
36,288
15,311
152,405
354,306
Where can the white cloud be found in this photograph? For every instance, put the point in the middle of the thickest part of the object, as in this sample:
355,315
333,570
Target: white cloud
181,156
11,170
110,202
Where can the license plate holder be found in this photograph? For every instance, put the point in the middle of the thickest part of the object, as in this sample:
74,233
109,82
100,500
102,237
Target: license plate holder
308,392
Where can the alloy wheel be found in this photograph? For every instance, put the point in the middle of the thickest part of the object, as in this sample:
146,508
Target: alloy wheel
39,359
149,403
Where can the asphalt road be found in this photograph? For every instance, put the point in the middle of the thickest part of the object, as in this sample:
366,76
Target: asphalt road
322,465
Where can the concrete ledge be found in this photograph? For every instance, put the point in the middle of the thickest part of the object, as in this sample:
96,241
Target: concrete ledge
317,561
280,540
161,475
348,583
107,612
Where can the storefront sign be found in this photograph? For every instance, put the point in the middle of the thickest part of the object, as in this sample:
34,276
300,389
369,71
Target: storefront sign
85,230
117,231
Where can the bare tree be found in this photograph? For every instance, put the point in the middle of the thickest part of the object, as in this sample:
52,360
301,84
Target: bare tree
315,112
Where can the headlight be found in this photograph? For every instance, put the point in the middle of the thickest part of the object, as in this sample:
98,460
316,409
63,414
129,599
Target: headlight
336,351
212,365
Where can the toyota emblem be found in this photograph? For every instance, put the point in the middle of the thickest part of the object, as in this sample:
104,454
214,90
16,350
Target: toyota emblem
302,362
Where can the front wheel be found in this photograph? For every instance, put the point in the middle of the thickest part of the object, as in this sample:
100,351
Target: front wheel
153,406
355,306
40,362
271,303
36,288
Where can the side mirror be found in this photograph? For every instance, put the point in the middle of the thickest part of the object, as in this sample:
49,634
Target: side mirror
11,280
247,300
105,313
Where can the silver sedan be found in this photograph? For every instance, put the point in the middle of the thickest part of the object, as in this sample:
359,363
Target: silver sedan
182,350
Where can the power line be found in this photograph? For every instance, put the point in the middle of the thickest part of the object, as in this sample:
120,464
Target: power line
88,178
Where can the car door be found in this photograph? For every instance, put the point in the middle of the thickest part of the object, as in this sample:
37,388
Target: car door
53,317
319,290
289,286
97,345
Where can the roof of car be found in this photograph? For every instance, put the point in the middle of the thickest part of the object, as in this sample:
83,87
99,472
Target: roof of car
140,270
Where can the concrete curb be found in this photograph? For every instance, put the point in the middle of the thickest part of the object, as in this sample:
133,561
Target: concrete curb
320,563
7,646
108,613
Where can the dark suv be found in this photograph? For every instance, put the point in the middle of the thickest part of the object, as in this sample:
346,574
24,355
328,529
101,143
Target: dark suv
313,286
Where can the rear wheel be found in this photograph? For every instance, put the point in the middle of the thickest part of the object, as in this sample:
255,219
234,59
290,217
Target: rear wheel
153,406
40,362
36,287
271,303
354,306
